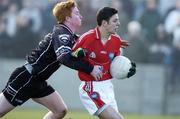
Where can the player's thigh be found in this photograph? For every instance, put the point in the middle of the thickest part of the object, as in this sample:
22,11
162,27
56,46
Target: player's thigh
53,102
110,113
5,106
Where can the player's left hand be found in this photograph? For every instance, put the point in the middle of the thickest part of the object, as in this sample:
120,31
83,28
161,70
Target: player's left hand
124,43
132,70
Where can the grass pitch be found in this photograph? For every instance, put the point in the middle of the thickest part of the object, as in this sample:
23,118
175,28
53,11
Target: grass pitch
38,114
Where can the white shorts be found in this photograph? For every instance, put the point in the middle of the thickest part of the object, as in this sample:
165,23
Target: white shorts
97,96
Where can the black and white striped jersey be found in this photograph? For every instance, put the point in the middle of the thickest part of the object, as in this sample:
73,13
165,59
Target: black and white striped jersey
54,50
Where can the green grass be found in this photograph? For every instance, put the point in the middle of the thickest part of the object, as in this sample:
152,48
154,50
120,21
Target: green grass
38,114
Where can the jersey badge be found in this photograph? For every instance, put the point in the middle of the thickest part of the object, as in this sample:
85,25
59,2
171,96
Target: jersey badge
64,38
111,56
94,95
103,52
63,50
92,55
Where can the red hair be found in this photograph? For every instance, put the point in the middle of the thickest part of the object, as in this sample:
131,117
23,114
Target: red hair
62,10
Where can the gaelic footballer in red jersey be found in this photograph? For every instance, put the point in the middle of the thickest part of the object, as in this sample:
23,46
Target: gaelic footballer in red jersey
98,53
99,46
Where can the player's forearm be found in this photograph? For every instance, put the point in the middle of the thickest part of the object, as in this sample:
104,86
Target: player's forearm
76,63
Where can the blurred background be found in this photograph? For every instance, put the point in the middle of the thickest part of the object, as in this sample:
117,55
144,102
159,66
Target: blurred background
151,26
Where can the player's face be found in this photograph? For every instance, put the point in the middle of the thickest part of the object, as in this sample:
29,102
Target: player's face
75,18
113,24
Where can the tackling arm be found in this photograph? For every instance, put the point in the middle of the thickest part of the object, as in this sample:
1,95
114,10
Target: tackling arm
63,42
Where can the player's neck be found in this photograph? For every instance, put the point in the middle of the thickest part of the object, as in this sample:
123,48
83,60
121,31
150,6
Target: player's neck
104,34
73,29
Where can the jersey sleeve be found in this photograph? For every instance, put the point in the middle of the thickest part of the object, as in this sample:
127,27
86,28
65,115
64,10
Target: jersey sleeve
79,43
62,42
117,44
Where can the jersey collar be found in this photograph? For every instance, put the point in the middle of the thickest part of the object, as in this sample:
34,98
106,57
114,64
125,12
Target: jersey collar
66,27
97,32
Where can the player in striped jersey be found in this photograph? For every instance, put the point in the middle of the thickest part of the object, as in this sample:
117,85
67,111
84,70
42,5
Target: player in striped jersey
29,81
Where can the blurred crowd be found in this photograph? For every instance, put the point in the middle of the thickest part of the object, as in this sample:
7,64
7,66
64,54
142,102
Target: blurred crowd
151,26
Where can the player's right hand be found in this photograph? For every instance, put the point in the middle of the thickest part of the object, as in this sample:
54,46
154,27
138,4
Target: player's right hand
132,70
124,43
97,72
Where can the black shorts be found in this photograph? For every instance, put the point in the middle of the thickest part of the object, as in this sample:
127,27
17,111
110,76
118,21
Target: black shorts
23,86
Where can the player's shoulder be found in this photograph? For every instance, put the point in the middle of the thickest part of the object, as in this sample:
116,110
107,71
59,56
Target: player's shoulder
62,29
116,36
47,38
62,33
87,35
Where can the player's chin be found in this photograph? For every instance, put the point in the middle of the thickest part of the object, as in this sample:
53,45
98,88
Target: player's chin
113,32
78,26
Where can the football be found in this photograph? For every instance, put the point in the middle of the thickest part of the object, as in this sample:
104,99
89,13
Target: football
119,67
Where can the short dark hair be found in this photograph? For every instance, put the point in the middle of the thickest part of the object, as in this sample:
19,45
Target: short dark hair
105,14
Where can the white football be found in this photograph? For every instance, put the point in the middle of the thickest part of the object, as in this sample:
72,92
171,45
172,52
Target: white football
119,67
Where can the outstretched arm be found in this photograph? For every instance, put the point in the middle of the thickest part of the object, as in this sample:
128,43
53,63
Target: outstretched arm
62,46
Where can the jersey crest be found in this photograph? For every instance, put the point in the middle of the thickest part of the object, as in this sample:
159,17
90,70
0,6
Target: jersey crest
64,38
63,50
111,56
103,52
92,55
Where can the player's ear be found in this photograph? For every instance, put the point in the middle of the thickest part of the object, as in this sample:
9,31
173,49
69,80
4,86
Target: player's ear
104,22
68,18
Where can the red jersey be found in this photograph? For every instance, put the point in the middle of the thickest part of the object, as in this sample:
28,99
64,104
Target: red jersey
97,52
